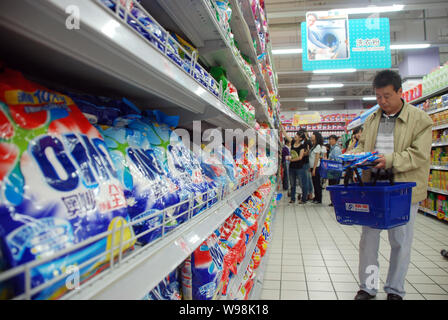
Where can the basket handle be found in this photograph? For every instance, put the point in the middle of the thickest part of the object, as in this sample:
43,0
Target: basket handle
380,174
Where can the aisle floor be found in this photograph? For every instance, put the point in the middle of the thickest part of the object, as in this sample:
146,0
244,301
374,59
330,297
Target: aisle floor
313,257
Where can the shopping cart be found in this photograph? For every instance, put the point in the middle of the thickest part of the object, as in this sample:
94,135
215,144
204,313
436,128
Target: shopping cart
379,205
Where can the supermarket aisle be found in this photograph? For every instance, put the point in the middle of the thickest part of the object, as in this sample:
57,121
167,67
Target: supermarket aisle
313,257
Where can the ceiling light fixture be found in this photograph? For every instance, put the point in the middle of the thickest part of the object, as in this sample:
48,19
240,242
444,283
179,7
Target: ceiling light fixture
368,98
319,99
371,9
287,51
409,46
335,71
325,85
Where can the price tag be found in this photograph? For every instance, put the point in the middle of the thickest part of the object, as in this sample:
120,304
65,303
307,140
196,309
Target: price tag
182,244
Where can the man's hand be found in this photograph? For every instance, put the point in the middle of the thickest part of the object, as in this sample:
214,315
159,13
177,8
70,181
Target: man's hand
381,162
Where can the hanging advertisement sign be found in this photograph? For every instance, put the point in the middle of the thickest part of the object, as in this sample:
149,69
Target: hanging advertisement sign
332,41
308,118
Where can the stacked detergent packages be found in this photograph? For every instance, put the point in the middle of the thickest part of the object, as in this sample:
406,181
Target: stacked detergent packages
59,186
176,48
206,274
75,166
358,160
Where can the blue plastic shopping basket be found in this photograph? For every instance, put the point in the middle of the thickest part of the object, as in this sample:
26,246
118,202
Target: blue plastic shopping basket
330,169
379,206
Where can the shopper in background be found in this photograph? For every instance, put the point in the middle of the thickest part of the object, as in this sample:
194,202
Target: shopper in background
353,142
285,163
297,168
314,160
335,151
308,144
402,134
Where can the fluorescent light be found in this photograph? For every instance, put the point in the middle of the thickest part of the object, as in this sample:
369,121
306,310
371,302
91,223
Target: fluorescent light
334,71
368,98
287,51
371,9
409,46
325,85
319,99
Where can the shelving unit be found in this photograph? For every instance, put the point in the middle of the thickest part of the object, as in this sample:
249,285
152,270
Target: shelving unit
235,282
107,54
429,95
107,51
435,144
125,280
433,213
213,43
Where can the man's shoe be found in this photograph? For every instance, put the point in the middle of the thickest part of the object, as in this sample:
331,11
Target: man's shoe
362,295
392,296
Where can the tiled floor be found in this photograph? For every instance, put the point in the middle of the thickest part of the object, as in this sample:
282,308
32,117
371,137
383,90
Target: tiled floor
311,256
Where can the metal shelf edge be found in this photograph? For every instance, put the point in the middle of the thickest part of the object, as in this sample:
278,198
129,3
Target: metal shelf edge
155,262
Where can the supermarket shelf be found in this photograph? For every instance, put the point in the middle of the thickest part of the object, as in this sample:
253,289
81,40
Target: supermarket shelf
129,280
105,54
260,272
235,282
258,281
212,42
440,191
243,36
431,212
439,144
250,20
441,126
437,110
429,95
436,167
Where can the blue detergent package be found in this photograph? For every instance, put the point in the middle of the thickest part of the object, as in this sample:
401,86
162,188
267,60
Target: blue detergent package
167,289
147,27
202,272
58,185
147,188
176,158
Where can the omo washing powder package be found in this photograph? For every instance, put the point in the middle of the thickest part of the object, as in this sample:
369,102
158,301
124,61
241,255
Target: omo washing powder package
59,186
147,188
179,161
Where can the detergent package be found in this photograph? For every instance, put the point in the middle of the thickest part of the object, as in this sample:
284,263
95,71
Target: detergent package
59,186
147,188
167,289
179,161
103,110
202,271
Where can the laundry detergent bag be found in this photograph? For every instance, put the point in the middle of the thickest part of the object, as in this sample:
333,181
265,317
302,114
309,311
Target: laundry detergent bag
58,185
147,188
181,165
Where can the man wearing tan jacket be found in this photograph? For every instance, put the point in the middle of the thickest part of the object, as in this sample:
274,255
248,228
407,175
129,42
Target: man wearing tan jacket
402,134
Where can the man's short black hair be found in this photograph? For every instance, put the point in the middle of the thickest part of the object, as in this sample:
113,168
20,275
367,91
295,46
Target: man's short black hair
333,136
385,78
357,130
